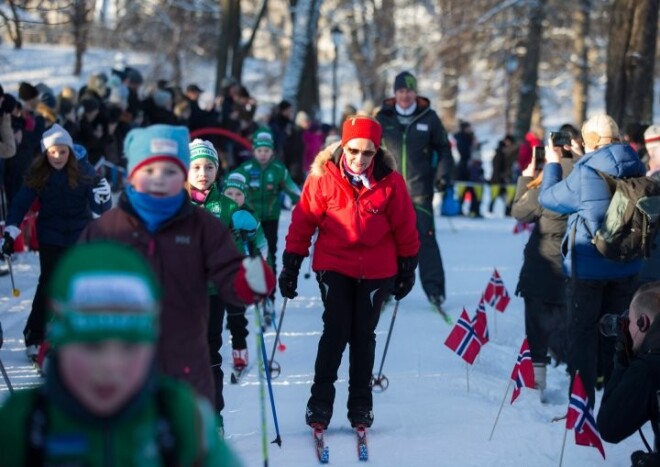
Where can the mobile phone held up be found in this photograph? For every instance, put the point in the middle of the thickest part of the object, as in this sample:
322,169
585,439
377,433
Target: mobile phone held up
560,138
539,157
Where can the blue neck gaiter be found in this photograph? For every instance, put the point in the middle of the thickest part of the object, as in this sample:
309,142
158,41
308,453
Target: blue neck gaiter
154,211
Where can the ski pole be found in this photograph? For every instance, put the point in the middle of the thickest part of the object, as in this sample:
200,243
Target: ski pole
263,370
14,291
381,380
6,377
273,365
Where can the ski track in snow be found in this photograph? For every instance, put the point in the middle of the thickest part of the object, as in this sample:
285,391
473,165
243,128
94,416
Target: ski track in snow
426,417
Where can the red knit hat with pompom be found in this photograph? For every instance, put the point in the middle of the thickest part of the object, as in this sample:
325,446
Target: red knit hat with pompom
361,126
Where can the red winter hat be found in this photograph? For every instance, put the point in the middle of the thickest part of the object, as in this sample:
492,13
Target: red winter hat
361,126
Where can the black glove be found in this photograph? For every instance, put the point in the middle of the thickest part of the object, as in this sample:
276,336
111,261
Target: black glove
288,280
405,278
7,244
645,459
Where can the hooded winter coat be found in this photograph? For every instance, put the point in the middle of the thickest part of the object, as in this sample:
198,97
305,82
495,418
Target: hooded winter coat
585,196
361,233
417,146
541,275
186,252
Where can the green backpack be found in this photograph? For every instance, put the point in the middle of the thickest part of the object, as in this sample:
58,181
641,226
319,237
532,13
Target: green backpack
632,218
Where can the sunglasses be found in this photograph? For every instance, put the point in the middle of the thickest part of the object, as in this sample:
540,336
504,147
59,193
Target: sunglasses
355,152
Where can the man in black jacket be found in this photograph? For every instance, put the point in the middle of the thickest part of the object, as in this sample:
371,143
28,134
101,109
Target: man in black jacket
631,395
414,134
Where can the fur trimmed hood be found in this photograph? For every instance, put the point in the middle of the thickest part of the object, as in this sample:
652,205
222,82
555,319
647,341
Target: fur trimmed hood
384,161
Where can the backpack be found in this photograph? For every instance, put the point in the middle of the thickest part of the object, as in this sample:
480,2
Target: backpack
631,220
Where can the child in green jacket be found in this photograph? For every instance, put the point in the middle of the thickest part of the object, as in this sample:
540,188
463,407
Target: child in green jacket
103,403
267,178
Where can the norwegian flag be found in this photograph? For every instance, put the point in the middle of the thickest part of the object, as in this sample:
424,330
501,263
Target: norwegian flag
479,322
580,417
523,371
496,294
463,339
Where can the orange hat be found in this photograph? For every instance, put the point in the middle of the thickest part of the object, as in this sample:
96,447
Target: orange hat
361,126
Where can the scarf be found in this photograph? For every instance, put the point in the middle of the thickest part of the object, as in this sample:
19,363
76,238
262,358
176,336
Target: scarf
361,179
405,116
197,196
154,211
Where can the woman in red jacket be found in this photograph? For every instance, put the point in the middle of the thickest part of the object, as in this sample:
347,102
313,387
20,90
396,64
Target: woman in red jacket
366,248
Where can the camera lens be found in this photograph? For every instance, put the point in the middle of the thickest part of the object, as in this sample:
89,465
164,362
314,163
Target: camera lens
610,325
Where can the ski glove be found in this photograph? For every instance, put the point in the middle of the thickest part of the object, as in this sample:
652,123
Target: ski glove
11,233
405,278
102,191
243,220
288,280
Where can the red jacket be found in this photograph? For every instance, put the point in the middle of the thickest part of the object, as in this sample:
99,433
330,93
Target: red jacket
361,234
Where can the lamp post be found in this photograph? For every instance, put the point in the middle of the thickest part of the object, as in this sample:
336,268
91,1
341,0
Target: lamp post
336,35
510,65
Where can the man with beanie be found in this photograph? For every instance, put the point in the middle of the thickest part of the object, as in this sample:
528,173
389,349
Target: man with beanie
414,134
597,285
366,249
28,147
651,266
102,398
184,244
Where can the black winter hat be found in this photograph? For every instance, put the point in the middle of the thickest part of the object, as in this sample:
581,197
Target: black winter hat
26,91
8,103
406,80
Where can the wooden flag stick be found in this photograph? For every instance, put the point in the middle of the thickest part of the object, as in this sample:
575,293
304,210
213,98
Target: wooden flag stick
467,376
500,411
563,444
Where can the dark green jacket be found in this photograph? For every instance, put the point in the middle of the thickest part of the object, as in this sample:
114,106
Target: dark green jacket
75,437
265,185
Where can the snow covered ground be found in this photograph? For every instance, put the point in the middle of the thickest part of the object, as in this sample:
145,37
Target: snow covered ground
427,416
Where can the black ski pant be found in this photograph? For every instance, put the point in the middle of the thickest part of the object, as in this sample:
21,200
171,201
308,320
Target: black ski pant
545,325
270,232
35,327
351,312
589,352
431,272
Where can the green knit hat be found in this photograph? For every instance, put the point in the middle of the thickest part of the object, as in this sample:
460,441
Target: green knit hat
103,290
263,138
236,180
202,149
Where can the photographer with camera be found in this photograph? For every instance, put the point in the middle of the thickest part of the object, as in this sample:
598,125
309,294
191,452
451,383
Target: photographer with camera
631,395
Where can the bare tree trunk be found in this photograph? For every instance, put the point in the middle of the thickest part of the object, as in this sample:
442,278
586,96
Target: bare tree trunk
530,69
631,60
17,37
300,67
80,23
244,49
229,37
580,66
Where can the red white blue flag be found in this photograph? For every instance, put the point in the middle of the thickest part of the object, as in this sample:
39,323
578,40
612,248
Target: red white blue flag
580,417
463,339
496,294
480,323
523,372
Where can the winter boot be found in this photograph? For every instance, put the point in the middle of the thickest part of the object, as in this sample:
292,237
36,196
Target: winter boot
269,313
539,380
317,415
240,357
32,351
361,416
220,426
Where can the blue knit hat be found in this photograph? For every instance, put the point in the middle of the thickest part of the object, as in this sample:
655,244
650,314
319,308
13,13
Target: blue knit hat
157,143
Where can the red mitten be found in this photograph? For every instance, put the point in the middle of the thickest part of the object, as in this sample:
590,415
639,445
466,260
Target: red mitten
254,280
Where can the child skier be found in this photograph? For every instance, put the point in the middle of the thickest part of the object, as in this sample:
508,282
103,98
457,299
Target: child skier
68,195
187,247
102,402
243,221
267,178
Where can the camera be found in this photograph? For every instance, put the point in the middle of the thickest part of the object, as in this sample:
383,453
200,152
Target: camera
539,154
612,325
560,138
